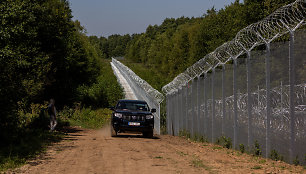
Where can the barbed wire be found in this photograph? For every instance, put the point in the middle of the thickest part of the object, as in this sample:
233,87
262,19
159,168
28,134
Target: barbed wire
286,19
153,93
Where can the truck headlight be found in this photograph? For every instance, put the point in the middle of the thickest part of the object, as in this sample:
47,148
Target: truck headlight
119,115
149,117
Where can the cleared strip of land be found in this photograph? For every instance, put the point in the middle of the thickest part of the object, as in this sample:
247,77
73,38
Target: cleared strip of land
94,151
129,94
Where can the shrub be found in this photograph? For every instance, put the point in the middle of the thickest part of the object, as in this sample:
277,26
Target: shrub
225,142
242,148
296,161
257,150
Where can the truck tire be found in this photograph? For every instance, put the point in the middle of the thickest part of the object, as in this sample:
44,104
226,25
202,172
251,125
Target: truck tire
113,132
148,134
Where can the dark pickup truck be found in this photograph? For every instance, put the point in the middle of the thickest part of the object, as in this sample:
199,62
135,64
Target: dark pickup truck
132,116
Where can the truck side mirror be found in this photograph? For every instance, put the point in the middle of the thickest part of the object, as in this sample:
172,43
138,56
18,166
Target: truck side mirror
153,110
112,108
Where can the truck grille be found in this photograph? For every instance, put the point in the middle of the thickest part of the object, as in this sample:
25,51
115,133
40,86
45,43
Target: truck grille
133,118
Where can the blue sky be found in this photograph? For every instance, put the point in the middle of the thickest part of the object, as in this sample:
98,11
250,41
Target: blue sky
107,17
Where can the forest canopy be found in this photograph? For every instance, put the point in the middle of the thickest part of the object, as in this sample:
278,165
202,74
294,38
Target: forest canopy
163,51
45,54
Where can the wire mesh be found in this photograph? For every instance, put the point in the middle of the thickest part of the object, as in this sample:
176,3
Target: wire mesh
260,97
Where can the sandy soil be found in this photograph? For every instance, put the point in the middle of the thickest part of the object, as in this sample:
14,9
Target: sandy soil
94,151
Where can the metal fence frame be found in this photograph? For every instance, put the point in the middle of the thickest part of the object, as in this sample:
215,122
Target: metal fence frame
285,20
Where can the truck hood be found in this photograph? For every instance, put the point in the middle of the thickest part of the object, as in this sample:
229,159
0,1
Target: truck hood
129,112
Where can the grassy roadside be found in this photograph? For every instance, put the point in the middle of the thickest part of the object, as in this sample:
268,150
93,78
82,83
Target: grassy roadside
31,142
86,117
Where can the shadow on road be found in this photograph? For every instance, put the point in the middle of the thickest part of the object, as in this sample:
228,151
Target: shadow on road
124,135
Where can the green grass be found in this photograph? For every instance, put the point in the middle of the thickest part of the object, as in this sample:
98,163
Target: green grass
33,140
158,157
199,164
256,167
181,153
86,117
27,145
217,147
262,161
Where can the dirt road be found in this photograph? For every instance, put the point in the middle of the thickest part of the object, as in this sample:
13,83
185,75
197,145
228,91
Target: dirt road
94,151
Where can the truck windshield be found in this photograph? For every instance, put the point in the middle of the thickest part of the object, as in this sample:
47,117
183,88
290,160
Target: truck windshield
134,106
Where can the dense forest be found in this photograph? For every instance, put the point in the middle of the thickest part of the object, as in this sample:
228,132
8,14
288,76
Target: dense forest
163,51
44,54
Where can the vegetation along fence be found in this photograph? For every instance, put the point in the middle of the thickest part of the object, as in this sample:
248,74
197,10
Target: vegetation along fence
142,91
251,90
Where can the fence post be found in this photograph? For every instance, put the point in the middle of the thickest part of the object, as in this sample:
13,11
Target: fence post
158,129
268,101
213,104
173,113
169,119
194,81
235,102
249,110
291,95
198,105
168,113
291,86
192,104
180,109
223,99
186,106
177,117
205,105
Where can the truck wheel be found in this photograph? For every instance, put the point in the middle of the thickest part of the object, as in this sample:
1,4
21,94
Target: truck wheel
113,132
148,134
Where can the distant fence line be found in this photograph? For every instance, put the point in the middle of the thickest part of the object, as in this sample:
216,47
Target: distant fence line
142,91
248,95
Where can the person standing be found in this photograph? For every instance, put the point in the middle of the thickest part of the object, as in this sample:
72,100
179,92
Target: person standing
52,114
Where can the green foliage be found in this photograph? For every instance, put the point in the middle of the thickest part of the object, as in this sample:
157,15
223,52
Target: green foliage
104,92
225,142
113,46
184,133
203,139
163,51
86,117
27,144
256,167
296,161
275,156
43,55
257,150
242,148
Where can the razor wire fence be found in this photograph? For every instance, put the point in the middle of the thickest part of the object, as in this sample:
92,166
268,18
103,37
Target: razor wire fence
249,94
142,91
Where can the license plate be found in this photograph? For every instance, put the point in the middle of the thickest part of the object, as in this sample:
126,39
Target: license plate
134,124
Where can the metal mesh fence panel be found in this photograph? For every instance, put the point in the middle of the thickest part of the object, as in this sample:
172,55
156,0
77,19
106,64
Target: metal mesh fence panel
300,93
229,103
209,107
254,87
217,129
201,107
